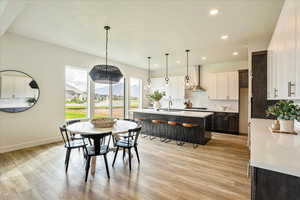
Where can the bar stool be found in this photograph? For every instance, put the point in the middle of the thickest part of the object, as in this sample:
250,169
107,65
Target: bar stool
140,122
157,125
174,125
193,128
155,129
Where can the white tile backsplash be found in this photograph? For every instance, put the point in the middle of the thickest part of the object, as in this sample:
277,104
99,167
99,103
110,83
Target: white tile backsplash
200,99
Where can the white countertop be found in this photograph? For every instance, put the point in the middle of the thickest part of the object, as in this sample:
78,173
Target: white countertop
176,113
206,110
276,152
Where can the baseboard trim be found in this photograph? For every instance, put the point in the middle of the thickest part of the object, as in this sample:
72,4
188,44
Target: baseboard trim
24,145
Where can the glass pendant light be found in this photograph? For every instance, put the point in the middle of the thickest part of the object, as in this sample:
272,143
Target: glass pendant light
167,71
187,76
149,74
104,73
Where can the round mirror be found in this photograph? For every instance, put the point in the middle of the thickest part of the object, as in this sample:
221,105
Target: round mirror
18,91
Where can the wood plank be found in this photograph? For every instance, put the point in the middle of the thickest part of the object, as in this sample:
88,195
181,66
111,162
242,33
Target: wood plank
216,171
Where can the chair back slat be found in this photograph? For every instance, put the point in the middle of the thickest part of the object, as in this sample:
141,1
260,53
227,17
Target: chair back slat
99,140
72,121
134,134
65,135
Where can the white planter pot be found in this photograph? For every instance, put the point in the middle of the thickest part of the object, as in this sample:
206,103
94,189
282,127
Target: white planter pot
156,105
287,125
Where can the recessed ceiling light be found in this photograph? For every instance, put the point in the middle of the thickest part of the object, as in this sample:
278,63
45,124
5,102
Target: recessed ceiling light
155,65
203,58
214,12
224,37
235,53
178,61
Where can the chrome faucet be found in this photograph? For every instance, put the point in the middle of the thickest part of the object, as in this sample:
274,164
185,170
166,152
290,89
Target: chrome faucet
170,103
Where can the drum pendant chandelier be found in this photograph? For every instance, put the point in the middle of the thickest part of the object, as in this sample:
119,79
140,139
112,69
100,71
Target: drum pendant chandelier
106,74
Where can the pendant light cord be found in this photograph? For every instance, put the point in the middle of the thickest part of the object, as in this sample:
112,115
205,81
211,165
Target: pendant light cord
187,62
167,70
106,48
187,77
149,68
106,54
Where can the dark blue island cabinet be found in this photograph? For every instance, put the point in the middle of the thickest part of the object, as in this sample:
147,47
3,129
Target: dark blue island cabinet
185,126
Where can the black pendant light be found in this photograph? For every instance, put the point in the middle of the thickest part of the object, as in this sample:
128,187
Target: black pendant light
149,74
106,74
187,76
167,70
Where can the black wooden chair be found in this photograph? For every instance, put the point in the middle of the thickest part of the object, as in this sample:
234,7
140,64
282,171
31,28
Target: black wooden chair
100,147
74,136
126,135
128,143
70,144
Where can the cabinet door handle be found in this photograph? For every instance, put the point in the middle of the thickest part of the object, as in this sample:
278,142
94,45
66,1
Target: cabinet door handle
290,85
275,92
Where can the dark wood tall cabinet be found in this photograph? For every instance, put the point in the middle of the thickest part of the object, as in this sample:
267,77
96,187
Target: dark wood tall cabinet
259,101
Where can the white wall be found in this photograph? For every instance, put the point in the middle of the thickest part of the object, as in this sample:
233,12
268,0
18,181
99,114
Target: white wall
46,64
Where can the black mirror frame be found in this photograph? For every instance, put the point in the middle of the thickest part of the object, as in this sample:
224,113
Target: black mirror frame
10,70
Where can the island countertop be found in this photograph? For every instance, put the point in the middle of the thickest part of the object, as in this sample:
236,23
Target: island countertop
174,113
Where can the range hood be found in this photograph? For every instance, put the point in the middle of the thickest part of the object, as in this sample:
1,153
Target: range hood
197,78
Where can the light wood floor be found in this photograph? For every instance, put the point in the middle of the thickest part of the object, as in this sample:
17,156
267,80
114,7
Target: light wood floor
216,171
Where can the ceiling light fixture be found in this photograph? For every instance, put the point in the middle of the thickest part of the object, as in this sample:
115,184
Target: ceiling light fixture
187,77
203,58
149,75
235,53
106,74
224,37
178,61
167,71
214,12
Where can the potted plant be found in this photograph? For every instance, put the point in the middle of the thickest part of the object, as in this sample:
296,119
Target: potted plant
286,112
156,97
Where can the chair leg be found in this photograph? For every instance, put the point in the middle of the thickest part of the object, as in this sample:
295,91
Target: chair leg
68,158
137,154
87,167
116,153
106,165
123,153
129,155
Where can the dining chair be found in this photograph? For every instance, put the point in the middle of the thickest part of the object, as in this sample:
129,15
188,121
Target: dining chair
74,136
69,144
130,142
100,147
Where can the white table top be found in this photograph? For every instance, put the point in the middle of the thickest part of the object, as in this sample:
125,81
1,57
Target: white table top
276,152
176,113
121,126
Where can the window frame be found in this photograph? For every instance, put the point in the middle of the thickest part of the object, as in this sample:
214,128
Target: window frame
91,94
88,116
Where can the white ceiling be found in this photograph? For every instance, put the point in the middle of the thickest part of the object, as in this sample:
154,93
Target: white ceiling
142,28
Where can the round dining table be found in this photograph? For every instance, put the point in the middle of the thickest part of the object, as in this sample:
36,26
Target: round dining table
86,127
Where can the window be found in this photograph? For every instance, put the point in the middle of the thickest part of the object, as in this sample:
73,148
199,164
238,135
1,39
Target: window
135,86
101,100
76,93
118,100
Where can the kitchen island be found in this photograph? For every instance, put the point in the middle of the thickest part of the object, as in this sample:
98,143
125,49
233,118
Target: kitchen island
198,134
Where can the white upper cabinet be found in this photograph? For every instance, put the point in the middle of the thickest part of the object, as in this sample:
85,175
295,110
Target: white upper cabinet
283,55
175,88
233,85
224,86
212,86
